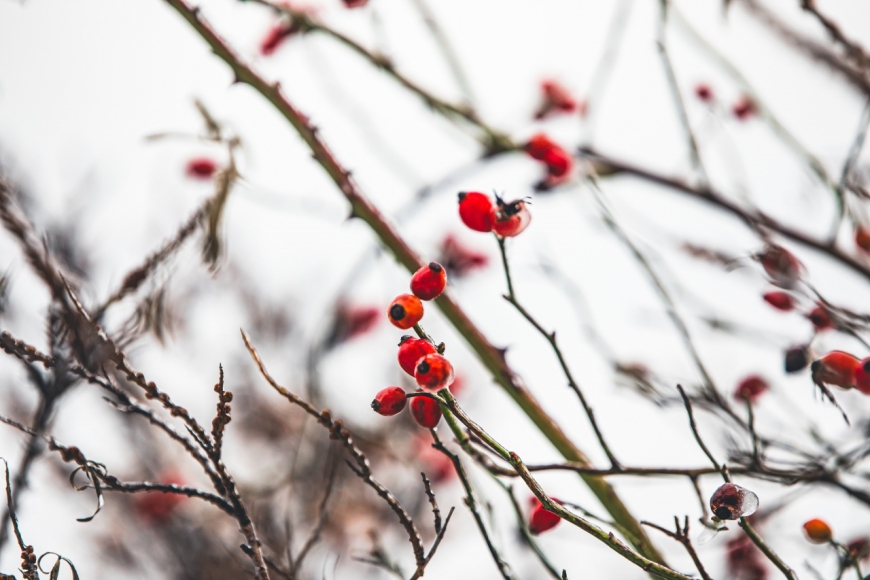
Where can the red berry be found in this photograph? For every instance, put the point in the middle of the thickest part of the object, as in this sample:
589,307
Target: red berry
352,321
557,160
704,92
743,108
475,210
405,311
730,502
836,368
276,37
751,388
510,219
201,168
862,238
541,519
434,372
355,3
458,259
389,401
156,507
862,376
859,547
429,281
781,265
556,99
437,466
412,350
820,319
426,412
779,300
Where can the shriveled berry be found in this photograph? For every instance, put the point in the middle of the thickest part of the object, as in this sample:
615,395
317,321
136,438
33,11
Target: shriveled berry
426,412
541,519
779,300
862,376
276,37
389,401
796,359
818,531
429,281
836,368
820,318
731,502
201,168
862,239
751,388
434,372
475,210
510,218
405,311
859,548
412,350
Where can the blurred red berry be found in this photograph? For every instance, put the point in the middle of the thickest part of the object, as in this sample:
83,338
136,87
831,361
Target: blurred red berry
818,531
201,168
405,311
276,36
781,265
541,519
820,318
555,99
412,350
744,560
862,376
859,548
434,372
389,401
437,466
459,260
556,159
779,300
355,3
862,239
743,108
475,210
751,388
704,92
426,412
836,368
429,282
352,321
510,218
156,507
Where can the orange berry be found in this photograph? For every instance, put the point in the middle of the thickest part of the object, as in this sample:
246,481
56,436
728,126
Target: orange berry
836,368
818,532
405,311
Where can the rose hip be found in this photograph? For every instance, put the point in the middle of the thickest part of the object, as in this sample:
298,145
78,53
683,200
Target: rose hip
511,218
405,311
389,401
434,372
541,519
426,412
429,282
412,350
475,210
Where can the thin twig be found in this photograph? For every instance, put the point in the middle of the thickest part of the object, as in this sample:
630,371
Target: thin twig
681,534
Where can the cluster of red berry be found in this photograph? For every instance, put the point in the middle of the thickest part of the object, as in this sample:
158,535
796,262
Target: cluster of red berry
557,161
818,316
742,109
419,357
507,219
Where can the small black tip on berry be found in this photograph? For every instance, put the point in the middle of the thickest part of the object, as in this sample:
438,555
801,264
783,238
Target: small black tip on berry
435,266
866,366
724,513
423,368
462,195
815,366
397,312
376,406
405,337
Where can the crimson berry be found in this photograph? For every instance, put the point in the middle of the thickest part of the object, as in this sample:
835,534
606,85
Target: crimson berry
859,547
818,531
201,168
862,239
556,99
426,412
781,265
751,388
156,507
836,368
796,359
541,519
389,401
820,319
434,372
704,93
730,502
743,108
475,210
779,300
510,219
429,281
862,376
557,160
352,321
412,350
405,311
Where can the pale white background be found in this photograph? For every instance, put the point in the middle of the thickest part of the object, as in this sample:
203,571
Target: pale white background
82,84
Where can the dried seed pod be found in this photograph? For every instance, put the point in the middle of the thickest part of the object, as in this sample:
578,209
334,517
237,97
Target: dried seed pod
731,502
